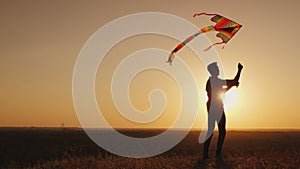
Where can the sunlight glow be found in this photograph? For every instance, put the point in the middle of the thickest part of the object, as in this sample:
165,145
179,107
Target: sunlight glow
230,99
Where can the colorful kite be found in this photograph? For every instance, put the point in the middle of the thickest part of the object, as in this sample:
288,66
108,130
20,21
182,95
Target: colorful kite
226,28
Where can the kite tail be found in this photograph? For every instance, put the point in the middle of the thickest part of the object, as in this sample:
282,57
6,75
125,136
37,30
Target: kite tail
181,45
214,45
203,13
207,29
171,58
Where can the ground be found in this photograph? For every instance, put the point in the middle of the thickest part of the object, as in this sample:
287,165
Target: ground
72,148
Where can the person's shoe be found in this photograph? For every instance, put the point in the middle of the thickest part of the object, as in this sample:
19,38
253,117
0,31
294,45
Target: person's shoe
205,157
218,155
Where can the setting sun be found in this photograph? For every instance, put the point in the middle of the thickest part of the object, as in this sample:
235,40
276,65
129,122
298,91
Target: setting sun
230,98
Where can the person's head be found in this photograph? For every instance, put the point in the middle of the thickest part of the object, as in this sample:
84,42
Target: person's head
213,69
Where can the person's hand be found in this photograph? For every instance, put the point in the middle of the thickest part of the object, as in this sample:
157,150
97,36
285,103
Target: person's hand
240,66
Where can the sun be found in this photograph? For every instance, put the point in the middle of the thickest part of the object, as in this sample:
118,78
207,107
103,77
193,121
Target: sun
230,98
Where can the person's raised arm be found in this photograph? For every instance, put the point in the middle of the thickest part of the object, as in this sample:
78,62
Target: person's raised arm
237,76
235,81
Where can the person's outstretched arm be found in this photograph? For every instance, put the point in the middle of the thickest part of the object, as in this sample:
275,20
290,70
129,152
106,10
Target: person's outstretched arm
235,81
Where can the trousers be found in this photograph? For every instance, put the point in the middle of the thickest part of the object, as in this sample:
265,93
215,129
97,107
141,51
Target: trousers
222,132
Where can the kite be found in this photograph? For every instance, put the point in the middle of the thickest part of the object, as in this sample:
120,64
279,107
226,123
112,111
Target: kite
226,28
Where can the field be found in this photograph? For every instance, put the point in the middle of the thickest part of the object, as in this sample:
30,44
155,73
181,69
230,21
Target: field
72,148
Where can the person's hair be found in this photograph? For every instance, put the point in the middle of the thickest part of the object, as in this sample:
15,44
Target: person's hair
212,67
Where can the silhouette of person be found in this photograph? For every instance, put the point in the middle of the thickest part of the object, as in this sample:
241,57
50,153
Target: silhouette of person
215,87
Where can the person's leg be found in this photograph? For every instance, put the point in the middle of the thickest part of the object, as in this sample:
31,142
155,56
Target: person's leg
222,134
209,134
206,146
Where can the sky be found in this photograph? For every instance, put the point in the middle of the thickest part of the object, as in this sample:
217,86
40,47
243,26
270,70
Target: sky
41,40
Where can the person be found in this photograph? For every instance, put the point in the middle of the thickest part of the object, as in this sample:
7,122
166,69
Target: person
215,87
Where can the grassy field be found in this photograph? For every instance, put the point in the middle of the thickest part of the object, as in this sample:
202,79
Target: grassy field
72,148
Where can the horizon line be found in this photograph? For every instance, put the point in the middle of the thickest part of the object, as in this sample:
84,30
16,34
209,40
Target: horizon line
154,128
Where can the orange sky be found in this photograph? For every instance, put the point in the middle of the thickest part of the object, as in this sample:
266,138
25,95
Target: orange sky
41,40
